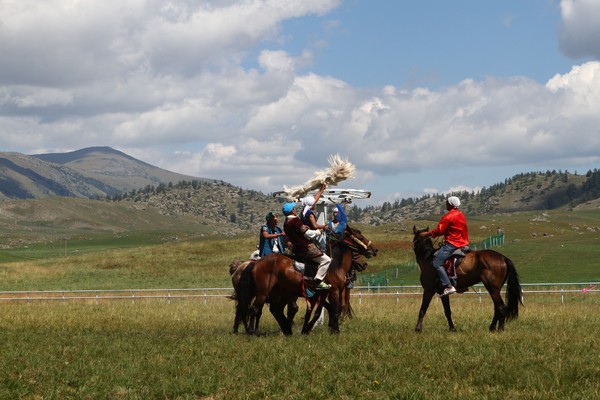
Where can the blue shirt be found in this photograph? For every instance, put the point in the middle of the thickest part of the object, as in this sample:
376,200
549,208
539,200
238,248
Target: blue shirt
265,246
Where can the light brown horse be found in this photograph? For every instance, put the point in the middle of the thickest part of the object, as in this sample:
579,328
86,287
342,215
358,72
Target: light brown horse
275,279
487,266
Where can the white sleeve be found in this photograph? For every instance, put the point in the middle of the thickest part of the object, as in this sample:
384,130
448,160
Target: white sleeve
312,233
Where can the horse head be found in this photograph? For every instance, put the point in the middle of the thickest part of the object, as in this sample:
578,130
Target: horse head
354,239
422,246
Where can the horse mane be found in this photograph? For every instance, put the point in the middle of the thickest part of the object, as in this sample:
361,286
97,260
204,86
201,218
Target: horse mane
348,242
336,244
234,266
423,247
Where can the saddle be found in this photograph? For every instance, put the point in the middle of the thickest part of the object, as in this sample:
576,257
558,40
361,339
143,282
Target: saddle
308,268
454,261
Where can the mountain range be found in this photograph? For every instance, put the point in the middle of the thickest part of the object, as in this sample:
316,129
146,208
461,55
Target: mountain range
59,189
92,172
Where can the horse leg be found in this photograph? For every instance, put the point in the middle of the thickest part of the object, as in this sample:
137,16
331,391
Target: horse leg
317,314
427,296
237,320
346,307
448,313
276,309
499,311
306,327
292,310
255,313
334,313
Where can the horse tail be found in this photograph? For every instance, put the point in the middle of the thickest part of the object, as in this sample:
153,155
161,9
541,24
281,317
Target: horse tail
513,292
245,291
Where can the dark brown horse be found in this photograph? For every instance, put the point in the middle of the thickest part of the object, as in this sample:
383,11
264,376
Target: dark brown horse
486,266
275,279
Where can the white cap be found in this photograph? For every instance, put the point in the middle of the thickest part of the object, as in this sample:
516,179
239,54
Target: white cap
454,201
308,201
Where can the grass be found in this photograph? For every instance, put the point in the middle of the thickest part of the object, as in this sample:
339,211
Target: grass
151,349
189,264
560,247
183,350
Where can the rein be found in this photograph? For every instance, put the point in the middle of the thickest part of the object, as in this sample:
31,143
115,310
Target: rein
355,244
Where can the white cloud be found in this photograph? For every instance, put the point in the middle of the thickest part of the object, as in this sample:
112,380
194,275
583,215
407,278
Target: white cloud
580,30
60,42
199,89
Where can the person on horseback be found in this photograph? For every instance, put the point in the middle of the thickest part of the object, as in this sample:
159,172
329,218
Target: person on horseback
300,236
333,225
271,236
453,226
309,218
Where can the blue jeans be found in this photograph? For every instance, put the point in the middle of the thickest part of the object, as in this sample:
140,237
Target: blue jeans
444,252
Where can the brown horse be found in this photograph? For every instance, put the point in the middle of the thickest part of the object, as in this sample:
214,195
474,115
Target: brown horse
236,268
358,265
275,279
487,266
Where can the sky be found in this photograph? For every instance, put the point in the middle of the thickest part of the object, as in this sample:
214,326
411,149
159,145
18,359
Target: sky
421,96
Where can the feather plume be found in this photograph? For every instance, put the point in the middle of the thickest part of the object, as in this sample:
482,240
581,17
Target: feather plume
339,170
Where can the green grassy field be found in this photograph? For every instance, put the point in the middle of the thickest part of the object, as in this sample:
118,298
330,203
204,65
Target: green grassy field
183,349
557,246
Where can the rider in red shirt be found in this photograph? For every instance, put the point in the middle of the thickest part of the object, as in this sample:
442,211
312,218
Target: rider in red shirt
453,226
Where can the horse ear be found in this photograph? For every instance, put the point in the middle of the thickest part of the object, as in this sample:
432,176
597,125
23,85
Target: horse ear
427,229
415,229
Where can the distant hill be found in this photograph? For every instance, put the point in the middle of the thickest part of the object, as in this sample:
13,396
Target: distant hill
227,206
92,172
208,205
522,192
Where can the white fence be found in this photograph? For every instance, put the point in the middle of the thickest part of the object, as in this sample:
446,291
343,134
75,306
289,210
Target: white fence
358,293
561,289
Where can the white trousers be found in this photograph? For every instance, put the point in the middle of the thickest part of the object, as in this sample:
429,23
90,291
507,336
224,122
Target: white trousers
324,261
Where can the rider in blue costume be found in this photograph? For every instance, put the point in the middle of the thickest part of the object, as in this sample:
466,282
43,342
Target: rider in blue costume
271,236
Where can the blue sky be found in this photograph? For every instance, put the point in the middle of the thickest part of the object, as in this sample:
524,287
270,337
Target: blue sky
423,97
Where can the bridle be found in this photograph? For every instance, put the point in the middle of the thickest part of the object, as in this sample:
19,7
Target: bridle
351,241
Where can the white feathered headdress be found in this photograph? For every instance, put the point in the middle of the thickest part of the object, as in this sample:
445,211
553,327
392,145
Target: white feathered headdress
339,170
